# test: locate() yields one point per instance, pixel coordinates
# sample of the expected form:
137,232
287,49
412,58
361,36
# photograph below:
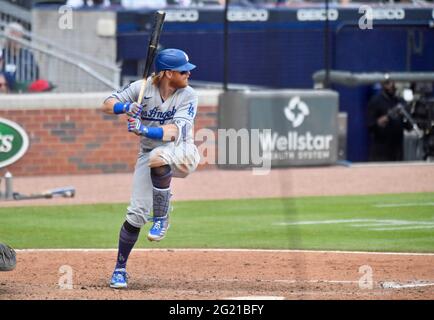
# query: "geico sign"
388,14
316,14
248,15
182,15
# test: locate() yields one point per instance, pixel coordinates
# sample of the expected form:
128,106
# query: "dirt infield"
210,274
206,274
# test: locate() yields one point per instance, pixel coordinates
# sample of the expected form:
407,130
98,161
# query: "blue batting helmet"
173,59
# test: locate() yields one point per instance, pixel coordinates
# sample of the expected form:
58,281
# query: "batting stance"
164,121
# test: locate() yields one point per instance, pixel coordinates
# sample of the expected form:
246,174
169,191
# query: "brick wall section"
82,141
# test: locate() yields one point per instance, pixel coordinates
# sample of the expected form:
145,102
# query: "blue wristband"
153,133
120,107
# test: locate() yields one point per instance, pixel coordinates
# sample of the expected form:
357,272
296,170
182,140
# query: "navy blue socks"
127,238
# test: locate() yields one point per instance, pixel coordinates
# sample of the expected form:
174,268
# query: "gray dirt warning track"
234,184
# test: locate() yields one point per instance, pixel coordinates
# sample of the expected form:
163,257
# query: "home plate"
256,298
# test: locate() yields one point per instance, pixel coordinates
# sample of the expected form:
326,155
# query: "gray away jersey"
179,109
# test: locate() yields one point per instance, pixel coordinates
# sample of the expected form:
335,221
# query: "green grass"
250,223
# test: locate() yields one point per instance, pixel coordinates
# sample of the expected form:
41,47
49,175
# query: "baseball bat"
152,48
65,192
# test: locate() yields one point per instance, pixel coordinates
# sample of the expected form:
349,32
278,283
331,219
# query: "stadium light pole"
226,47
327,46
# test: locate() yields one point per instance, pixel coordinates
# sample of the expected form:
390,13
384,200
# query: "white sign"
317,14
248,15
182,15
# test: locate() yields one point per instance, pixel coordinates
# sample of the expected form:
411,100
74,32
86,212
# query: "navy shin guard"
161,178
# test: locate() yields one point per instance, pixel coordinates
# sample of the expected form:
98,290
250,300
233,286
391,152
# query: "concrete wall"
70,135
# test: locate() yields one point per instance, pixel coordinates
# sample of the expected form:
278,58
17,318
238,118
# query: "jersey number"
191,110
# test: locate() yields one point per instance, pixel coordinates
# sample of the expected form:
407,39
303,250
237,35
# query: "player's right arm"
108,105
123,101
114,106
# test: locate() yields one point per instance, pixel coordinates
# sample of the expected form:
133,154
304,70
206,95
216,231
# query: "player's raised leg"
161,177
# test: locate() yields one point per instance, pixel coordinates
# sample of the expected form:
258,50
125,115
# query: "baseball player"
164,121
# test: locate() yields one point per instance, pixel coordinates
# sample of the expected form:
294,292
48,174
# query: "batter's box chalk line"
255,298
409,285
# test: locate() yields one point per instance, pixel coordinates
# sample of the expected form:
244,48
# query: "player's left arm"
168,132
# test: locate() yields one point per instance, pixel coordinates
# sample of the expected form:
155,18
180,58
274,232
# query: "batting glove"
136,126
134,110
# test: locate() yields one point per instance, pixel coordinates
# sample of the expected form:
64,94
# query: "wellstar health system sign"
14,142
304,129
295,127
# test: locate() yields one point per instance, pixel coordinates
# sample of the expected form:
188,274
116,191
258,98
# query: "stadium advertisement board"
294,127
14,142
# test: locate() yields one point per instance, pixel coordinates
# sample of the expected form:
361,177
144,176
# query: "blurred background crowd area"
34,46
136,4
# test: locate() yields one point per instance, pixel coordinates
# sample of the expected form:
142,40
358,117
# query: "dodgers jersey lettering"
179,109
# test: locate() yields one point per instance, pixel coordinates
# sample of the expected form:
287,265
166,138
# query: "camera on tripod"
420,100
